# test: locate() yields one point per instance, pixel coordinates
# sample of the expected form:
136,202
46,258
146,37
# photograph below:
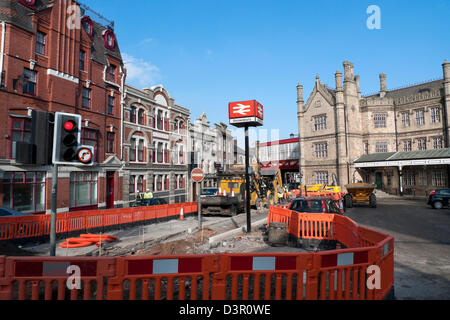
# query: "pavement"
153,233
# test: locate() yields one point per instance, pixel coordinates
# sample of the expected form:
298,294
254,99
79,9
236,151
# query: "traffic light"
42,136
38,150
67,138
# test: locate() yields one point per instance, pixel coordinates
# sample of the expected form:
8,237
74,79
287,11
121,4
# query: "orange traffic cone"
182,214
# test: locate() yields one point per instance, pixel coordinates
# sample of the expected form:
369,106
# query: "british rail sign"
246,113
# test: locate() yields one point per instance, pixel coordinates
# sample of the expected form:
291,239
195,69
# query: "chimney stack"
446,69
349,80
383,87
300,101
358,88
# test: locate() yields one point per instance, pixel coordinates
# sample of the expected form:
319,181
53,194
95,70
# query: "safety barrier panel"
326,275
367,247
39,225
163,278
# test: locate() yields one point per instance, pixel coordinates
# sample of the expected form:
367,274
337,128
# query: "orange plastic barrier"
30,278
377,247
36,226
326,275
86,240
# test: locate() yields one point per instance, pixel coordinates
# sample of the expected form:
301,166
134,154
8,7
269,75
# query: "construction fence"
39,225
327,275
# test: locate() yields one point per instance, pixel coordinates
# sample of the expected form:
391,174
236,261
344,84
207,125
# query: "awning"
404,159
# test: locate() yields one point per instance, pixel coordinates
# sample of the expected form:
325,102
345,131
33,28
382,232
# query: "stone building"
339,127
47,65
210,148
155,144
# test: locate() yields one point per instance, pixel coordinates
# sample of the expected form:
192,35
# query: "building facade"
155,144
211,148
45,64
283,154
337,126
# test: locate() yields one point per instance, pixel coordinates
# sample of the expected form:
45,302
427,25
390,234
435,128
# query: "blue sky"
209,53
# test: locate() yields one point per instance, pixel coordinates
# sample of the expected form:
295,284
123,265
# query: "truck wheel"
373,201
348,201
234,211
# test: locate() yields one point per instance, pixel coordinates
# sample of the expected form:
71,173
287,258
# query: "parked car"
4,212
315,205
148,202
439,198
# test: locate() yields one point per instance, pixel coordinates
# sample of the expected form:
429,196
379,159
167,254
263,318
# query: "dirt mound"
186,246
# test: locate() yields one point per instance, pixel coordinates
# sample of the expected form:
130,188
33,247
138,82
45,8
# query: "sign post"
197,176
246,114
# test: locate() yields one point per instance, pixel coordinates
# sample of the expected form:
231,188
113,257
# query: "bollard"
181,214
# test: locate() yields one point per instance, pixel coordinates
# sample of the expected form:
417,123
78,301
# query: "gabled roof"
328,94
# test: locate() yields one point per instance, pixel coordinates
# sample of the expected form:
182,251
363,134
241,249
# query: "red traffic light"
69,125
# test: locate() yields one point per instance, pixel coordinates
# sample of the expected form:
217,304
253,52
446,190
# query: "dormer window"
28,3
109,39
88,26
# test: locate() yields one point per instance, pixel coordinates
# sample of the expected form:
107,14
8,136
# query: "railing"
327,275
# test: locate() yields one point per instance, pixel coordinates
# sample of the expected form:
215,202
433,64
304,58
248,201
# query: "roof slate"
375,157
411,155
412,90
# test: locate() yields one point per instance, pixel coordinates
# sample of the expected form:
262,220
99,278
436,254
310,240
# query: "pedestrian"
148,196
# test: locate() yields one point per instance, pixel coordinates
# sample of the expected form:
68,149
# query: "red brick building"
51,60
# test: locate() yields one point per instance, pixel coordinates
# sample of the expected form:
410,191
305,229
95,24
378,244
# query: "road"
422,242
422,245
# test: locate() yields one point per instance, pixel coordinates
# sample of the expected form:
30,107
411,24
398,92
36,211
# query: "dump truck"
264,187
360,193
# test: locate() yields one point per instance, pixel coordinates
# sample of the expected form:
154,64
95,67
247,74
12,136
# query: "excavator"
265,187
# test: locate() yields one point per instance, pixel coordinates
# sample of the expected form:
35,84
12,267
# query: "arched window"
28,3
166,182
110,39
88,26
160,156
141,117
133,114
140,184
141,151
159,120
159,186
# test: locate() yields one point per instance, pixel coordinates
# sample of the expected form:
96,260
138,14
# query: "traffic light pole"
247,181
54,210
